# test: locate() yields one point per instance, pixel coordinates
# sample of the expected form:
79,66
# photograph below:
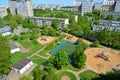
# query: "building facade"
115,14
98,6
117,7
78,2
48,21
14,48
5,31
22,7
105,24
108,2
47,6
22,65
3,11
86,7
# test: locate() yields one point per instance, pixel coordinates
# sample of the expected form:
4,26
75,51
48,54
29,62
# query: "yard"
88,75
38,60
18,56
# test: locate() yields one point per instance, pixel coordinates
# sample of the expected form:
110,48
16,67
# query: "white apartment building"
108,2
3,11
22,7
48,21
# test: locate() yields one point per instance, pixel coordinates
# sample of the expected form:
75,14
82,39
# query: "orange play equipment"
104,56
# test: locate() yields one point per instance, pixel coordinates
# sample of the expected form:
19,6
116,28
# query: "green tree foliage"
109,76
61,59
95,44
38,74
102,16
118,18
15,21
55,24
79,58
52,32
25,78
5,63
110,17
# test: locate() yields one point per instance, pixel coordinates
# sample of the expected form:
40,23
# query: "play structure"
108,57
104,56
45,39
69,37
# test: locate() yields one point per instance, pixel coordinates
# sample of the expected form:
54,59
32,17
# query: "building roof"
22,63
5,29
13,46
3,78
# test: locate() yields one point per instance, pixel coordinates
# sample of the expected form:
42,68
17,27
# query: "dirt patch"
45,39
71,38
65,78
99,64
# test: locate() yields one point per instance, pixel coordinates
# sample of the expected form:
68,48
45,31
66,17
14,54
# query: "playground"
45,39
71,38
102,59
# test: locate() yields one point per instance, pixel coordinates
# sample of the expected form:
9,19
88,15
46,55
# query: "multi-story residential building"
115,14
3,11
47,6
71,8
105,24
48,21
117,7
108,2
98,6
86,7
78,2
22,7
12,6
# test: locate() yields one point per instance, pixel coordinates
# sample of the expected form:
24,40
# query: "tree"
95,44
52,32
38,74
79,58
103,16
118,18
61,59
5,63
110,17
55,24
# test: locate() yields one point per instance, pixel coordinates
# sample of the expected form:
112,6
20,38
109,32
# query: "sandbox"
45,39
65,78
99,64
71,38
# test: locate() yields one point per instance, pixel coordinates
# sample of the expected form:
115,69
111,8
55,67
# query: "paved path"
74,72
37,52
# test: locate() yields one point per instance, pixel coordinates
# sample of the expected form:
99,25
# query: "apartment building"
22,7
105,24
47,6
48,21
86,7
117,6
98,6
3,11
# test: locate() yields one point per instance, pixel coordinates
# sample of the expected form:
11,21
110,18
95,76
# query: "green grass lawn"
65,73
25,43
18,56
49,47
38,60
88,75
69,66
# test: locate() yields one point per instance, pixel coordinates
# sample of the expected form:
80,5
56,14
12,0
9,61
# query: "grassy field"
88,75
18,56
38,60
65,73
